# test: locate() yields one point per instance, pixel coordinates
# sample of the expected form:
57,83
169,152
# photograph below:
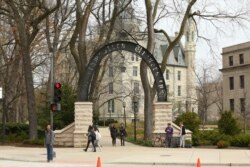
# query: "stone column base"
83,118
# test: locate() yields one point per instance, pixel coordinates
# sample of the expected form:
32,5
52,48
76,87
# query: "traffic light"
56,105
57,92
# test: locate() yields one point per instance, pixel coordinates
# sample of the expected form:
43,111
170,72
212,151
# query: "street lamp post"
135,101
123,69
124,106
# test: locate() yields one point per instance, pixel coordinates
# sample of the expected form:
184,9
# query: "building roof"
234,48
176,57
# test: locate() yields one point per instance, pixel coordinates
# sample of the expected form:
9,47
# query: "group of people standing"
115,133
169,135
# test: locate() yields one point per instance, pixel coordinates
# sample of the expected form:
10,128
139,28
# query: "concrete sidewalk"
129,155
133,155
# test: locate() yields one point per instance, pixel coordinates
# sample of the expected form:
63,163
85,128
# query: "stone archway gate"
127,46
162,111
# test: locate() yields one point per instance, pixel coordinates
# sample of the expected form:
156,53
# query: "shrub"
209,137
222,144
241,140
34,142
228,125
18,132
140,142
190,120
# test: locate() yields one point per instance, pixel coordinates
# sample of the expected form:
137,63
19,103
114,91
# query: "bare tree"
25,17
209,92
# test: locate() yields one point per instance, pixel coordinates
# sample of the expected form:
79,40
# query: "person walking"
113,133
169,134
123,134
182,135
49,141
91,138
98,138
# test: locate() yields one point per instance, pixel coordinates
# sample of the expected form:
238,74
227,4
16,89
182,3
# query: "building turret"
190,51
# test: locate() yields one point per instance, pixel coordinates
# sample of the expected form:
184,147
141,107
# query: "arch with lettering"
130,47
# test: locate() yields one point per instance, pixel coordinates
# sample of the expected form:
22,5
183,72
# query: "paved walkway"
129,155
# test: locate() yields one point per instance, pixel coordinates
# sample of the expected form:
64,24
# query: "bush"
209,137
190,120
222,144
19,132
15,128
241,140
34,142
140,142
228,125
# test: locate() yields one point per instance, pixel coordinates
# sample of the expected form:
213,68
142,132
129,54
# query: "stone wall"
64,137
75,133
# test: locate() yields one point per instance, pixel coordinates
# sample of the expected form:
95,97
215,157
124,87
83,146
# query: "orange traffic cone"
98,162
198,164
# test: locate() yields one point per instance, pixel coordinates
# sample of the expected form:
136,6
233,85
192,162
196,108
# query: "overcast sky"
230,33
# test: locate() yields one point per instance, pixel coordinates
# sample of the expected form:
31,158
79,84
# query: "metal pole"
134,121
124,114
51,88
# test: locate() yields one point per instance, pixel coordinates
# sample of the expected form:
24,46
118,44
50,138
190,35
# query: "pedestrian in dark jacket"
123,134
49,141
91,138
113,133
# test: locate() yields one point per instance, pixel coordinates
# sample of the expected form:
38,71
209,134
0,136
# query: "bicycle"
159,141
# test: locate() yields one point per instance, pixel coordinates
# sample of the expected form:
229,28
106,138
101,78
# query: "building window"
242,105
187,36
111,89
111,106
136,88
135,71
132,57
241,56
231,103
231,61
111,71
192,35
179,90
242,81
167,74
231,83
179,75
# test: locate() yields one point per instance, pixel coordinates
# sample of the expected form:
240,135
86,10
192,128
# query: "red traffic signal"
57,92
57,85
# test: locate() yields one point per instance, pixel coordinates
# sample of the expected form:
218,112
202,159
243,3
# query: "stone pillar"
83,118
162,114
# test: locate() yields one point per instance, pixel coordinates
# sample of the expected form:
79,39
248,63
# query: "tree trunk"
148,99
30,93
